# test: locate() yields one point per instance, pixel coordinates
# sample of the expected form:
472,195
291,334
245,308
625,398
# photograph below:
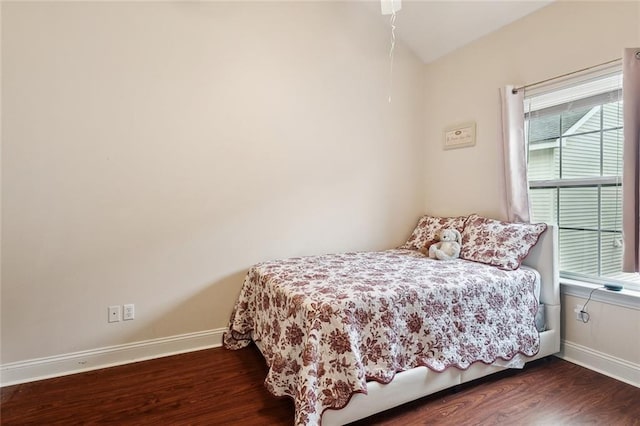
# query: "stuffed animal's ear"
458,236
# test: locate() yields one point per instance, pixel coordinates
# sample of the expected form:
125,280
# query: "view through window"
575,143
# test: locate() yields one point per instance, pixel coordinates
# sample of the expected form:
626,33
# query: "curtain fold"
515,155
631,160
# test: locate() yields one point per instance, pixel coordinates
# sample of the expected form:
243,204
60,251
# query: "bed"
351,334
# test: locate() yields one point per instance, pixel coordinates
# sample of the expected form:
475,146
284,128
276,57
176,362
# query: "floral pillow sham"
498,243
426,231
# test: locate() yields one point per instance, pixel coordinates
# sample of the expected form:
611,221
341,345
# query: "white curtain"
631,161
515,155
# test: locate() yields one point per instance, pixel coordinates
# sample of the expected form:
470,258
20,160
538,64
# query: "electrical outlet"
129,311
581,314
115,314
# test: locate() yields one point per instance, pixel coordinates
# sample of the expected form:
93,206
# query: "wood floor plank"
222,387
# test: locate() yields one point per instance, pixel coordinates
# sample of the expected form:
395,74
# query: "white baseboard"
618,368
77,362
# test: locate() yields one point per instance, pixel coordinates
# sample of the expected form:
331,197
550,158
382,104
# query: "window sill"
625,298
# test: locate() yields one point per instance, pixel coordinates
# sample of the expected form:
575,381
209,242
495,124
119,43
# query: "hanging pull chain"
392,22
390,7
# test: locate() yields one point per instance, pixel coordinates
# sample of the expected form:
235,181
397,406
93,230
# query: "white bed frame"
418,382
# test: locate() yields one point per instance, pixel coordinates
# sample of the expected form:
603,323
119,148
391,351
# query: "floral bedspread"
327,324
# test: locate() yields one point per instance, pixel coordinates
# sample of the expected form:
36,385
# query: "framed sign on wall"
460,136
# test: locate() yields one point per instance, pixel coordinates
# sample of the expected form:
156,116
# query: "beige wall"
560,38
153,151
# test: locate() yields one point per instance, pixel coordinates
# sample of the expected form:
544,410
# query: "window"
574,137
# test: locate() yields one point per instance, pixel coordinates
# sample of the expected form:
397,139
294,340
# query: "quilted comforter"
328,324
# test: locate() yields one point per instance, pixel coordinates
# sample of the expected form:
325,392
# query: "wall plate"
460,136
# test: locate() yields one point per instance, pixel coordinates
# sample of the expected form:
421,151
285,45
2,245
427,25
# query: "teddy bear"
449,245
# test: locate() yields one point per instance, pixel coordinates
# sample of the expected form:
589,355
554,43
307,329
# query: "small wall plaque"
460,136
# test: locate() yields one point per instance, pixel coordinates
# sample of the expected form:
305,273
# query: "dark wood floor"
217,386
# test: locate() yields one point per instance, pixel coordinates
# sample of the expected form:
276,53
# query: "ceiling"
434,28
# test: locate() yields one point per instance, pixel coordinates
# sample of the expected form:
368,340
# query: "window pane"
578,208
612,113
578,251
581,156
611,205
581,120
544,128
612,152
543,164
611,253
543,202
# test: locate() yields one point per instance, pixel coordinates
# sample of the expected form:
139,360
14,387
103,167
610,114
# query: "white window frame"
557,95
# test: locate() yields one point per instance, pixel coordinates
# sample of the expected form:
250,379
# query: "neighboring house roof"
547,128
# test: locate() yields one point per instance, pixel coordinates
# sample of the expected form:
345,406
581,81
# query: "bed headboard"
544,258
